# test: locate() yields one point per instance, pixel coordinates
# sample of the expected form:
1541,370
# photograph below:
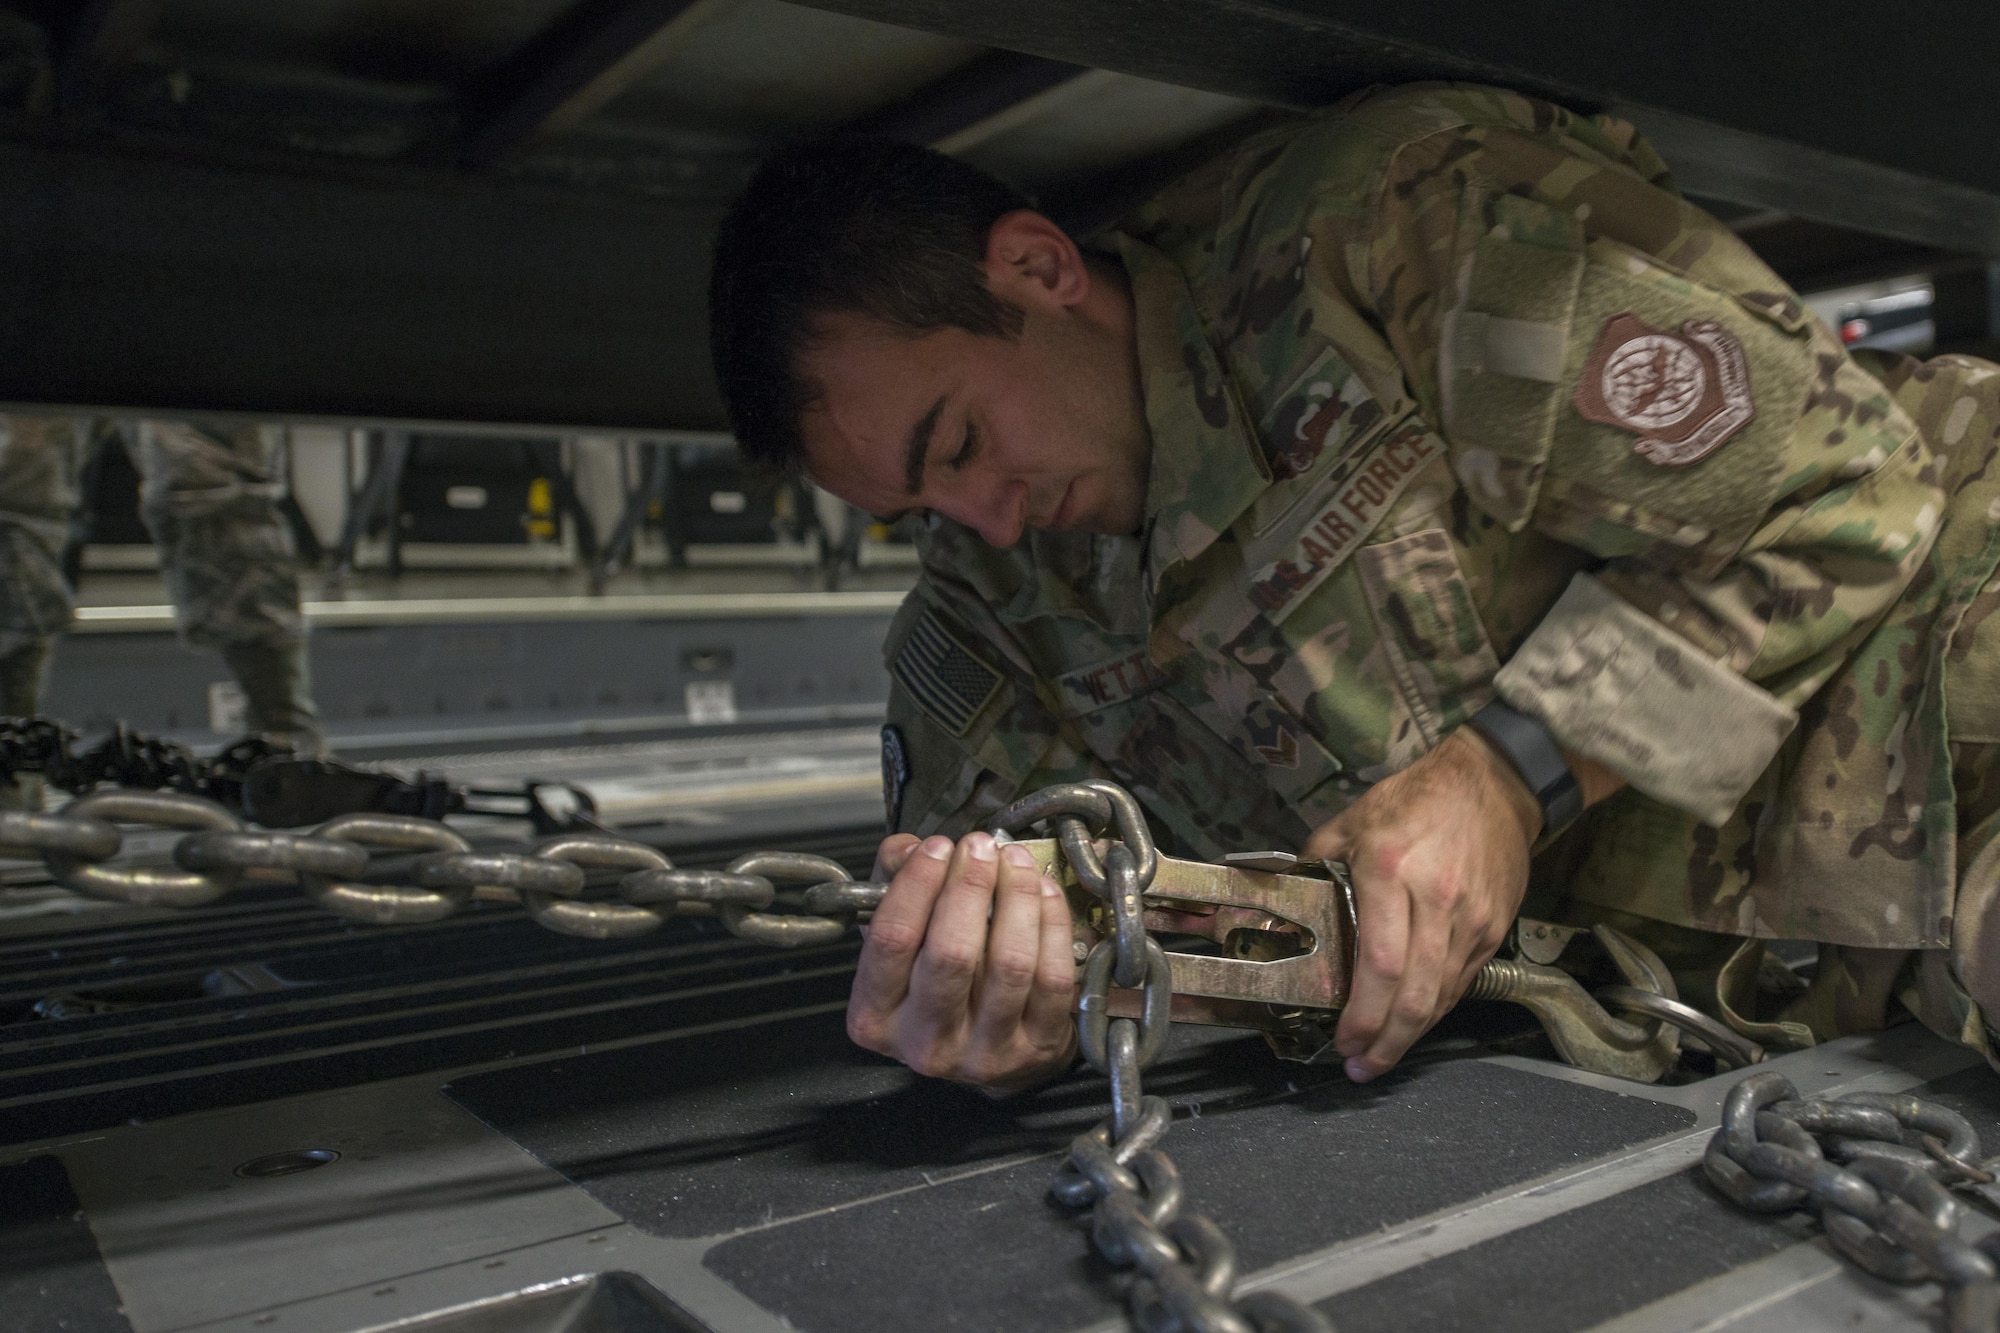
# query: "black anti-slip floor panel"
1579,1269
1575,1270
737,1128
939,1214
52,1279
1975,1094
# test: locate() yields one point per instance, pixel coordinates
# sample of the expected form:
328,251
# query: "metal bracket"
1287,939
1286,931
1287,935
1542,941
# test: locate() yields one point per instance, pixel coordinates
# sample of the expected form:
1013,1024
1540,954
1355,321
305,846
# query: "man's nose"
996,513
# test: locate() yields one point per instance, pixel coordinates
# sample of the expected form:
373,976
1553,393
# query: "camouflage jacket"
1450,394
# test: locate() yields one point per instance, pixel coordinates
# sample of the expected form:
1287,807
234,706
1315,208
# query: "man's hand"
967,972
1439,856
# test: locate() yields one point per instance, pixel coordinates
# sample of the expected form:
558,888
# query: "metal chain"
126,758
1877,1166
1185,1267
266,781
340,867
1885,1208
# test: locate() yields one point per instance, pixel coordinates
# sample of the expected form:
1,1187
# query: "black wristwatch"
1533,752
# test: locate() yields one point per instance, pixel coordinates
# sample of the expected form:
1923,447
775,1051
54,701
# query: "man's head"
908,332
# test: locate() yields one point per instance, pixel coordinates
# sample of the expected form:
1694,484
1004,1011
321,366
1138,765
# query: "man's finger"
895,936
1013,950
941,981
1411,1013
1330,841
1381,942
895,850
1054,994
1481,952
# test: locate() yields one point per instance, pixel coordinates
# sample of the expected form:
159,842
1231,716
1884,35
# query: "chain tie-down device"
1284,926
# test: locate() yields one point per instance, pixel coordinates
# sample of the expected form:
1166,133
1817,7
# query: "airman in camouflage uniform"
208,495
1451,394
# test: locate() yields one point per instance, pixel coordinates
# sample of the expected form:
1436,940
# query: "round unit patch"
1683,393
1653,381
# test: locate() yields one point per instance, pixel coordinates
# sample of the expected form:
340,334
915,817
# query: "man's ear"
1032,263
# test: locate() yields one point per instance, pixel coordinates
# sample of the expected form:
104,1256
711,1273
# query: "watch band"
1533,752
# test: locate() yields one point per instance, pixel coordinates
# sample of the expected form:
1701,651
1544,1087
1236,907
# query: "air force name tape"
1358,493
1683,392
947,681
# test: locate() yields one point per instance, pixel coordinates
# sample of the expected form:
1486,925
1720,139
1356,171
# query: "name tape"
1090,688
1363,490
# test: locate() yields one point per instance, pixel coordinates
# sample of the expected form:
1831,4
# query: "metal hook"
1584,1034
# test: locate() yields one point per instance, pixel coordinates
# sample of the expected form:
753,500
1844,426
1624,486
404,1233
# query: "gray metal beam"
976,92
1724,163
590,56
1892,136
131,281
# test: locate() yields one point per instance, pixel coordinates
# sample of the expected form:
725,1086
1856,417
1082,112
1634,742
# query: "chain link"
146,886
1184,1268
790,930
28,836
1876,1166
350,866
567,913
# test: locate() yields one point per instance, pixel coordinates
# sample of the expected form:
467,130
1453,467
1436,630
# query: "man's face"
1043,431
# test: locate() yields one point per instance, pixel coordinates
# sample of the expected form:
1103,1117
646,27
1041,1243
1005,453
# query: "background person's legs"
209,496
40,458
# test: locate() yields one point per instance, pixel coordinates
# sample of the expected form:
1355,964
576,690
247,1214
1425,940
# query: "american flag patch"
942,675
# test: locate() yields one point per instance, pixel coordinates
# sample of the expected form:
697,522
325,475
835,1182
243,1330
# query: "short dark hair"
865,226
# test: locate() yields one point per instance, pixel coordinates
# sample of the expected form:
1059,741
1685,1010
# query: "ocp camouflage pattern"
1764,641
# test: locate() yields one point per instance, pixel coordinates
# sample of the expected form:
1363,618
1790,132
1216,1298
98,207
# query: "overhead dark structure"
988,86
502,213
561,79
168,285
97,42
1863,120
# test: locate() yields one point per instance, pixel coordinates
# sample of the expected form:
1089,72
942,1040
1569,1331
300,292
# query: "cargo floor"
254,1118
758,1174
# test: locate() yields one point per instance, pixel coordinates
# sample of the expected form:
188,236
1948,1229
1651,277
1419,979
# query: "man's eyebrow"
919,448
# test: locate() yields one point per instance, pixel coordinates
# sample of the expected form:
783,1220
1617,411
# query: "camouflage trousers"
1955,989
1955,992
209,496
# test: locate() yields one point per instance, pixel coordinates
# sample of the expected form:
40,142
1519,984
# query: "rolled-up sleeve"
1514,261
1616,685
